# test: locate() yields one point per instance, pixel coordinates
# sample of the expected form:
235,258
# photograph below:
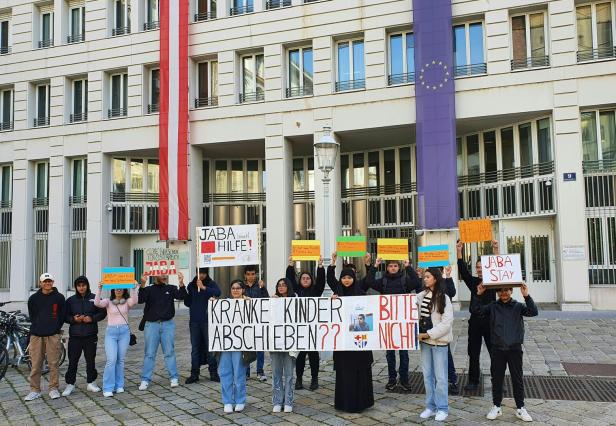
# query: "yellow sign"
472,231
392,248
305,250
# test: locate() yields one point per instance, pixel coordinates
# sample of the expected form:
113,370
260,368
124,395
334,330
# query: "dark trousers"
404,365
300,364
500,361
451,373
478,330
199,355
77,345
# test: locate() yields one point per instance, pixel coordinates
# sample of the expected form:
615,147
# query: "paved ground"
553,338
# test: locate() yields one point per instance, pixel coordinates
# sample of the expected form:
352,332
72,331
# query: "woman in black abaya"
353,368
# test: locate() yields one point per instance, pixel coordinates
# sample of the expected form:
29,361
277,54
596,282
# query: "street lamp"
326,151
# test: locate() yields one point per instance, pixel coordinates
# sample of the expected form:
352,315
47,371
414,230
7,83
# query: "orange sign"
392,248
472,231
305,250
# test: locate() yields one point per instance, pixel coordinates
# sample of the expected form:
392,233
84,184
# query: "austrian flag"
173,124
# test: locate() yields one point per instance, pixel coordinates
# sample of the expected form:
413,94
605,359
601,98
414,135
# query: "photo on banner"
392,248
305,250
351,246
433,256
229,245
118,277
503,270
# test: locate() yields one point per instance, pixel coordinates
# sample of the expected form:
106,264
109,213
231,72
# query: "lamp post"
326,151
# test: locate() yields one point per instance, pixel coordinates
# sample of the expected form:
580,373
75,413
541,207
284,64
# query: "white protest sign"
164,261
228,245
501,269
314,323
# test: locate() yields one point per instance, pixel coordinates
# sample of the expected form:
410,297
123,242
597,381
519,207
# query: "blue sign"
569,177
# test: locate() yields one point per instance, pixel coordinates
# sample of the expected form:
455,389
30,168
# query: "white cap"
46,276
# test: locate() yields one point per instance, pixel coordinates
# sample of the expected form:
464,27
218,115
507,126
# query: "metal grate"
417,385
596,389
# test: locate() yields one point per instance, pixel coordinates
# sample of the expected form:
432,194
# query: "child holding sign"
507,334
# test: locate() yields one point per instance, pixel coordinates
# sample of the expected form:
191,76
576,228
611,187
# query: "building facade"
535,105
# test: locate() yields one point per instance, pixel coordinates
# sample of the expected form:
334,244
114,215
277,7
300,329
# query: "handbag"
425,324
249,357
133,338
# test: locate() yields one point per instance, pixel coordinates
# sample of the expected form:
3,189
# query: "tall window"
42,180
206,9
529,35
595,31
6,109
6,186
273,4
77,25
41,117
154,94
599,136
468,52
350,67
79,184
242,6
46,30
207,84
544,140
121,17
401,58
151,18
300,72
253,83
119,175
118,95
4,37
80,101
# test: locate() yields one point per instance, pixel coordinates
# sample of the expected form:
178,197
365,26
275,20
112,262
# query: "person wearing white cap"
46,309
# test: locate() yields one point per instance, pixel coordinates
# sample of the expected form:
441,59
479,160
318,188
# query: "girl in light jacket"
436,313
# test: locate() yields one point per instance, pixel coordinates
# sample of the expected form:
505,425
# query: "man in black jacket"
83,318
395,281
159,311
478,326
255,289
507,332
199,292
46,311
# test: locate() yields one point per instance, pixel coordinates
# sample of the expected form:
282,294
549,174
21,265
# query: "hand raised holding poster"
472,231
228,245
501,270
305,250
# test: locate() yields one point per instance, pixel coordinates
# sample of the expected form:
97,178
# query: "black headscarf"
353,289
290,292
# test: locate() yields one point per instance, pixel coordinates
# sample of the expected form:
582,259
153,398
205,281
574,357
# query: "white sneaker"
522,414
494,413
239,407
144,385
426,414
54,394
120,390
228,408
107,394
288,408
32,396
440,416
277,409
174,383
68,390
92,387
262,377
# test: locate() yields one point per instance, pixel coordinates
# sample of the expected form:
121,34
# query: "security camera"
109,208
419,232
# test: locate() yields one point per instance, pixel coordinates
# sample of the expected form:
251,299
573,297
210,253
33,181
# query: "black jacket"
77,305
315,290
472,282
159,301
451,288
506,322
254,291
399,283
197,300
46,312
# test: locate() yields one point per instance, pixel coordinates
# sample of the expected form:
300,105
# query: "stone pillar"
98,216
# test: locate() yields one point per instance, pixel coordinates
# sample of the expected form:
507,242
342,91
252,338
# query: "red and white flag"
173,126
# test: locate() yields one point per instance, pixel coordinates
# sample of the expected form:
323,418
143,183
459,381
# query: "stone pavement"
552,338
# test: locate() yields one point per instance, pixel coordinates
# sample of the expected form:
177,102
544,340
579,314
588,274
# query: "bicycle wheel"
4,361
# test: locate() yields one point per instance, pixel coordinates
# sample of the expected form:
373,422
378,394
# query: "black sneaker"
192,379
405,385
314,384
214,377
471,387
391,385
299,384
453,388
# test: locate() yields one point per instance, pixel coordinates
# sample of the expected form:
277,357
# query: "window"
529,35
253,84
121,17
42,180
401,58
221,176
4,37
489,156
507,153
595,31
46,30
6,186
154,94
79,184
472,155
300,72
241,6
374,175
207,84
350,66
152,12
119,175
206,9
252,176
602,124
274,4
118,95
6,109
76,25
468,51
358,170
299,176
79,109
41,117
544,140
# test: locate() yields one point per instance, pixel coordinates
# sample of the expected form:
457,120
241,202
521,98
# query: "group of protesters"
496,319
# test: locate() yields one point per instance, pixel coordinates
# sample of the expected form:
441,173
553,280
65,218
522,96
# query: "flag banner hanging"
173,121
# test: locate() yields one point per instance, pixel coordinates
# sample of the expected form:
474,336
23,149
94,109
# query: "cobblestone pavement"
551,339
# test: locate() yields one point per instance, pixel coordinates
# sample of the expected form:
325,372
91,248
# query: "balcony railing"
205,16
6,125
596,54
120,31
5,50
342,86
77,38
45,43
206,102
78,117
388,206
79,214
275,4
292,92
234,197
470,69
241,10
252,97
6,218
134,212
153,108
154,25
599,165
408,78
533,62
41,121
117,112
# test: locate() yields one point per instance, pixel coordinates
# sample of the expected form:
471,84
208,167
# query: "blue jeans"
283,381
199,353
232,372
451,368
159,333
434,365
260,364
117,338
404,365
